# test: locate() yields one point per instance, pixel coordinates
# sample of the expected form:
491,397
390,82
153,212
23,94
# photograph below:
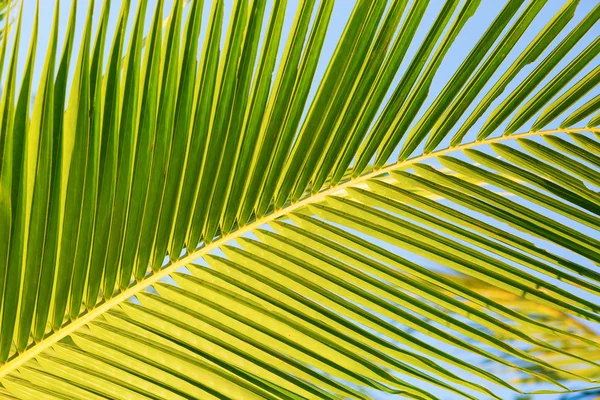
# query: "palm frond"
203,217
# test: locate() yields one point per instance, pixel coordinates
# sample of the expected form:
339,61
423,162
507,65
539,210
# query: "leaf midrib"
89,315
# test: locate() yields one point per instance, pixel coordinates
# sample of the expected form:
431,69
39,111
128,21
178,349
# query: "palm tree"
199,224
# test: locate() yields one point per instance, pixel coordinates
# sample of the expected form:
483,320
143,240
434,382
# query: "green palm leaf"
204,217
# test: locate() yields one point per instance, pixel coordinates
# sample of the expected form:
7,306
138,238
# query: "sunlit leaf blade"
476,83
295,208
533,50
6,166
144,149
21,192
382,84
162,145
93,165
584,111
418,95
75,142
207,74
543,69
180,155
307,70
108,167
56,213
442,101
127,141
569,98
41,137
566,164
265,152
554,86
4,35
595,121
369,70
533,178
386,126
235,133
254,113
334,89
221,136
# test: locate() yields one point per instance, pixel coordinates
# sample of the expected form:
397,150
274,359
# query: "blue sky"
465,41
